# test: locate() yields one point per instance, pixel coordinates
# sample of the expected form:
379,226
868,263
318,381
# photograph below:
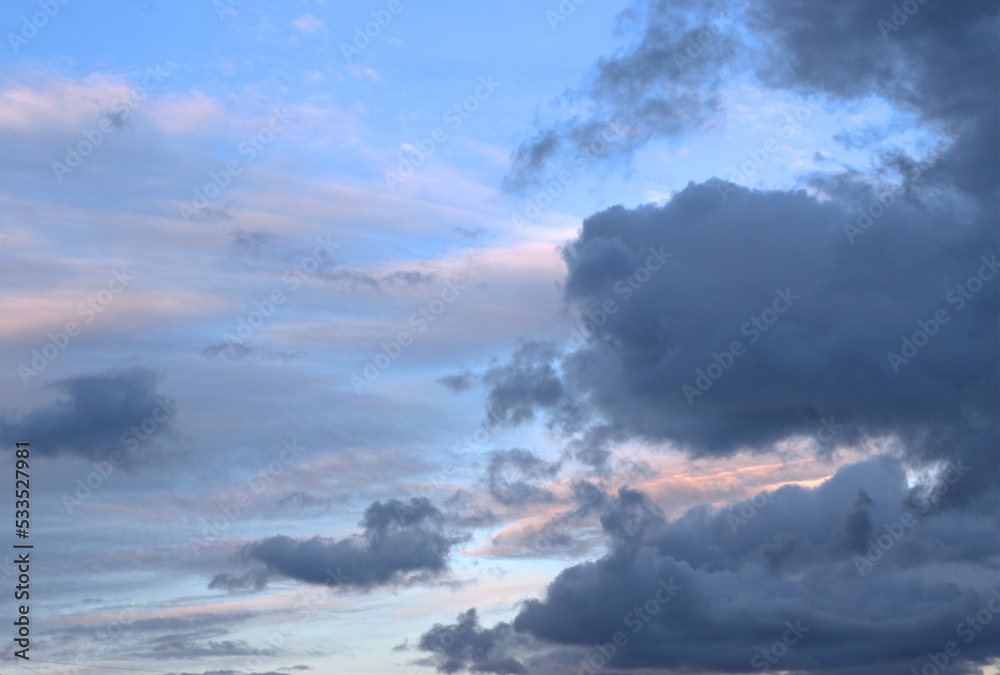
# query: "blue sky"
296,281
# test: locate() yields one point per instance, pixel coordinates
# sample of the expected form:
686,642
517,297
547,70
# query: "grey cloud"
305,500
729,603
736,253
244,672
458,382
402,542
254,580
252,243
529,381
510,477
465,645
96,415
651,89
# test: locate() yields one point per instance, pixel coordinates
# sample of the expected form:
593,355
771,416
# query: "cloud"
465,645
767,321
254,580
309,23
649,90
458,382
847,562
402,543
668,82
97,415
509,475
527,382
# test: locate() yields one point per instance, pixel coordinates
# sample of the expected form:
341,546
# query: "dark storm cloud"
465,645
712,589
97,414
511,474
769,322
402,542
844,315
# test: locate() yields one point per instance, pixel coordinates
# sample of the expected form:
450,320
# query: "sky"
645,336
